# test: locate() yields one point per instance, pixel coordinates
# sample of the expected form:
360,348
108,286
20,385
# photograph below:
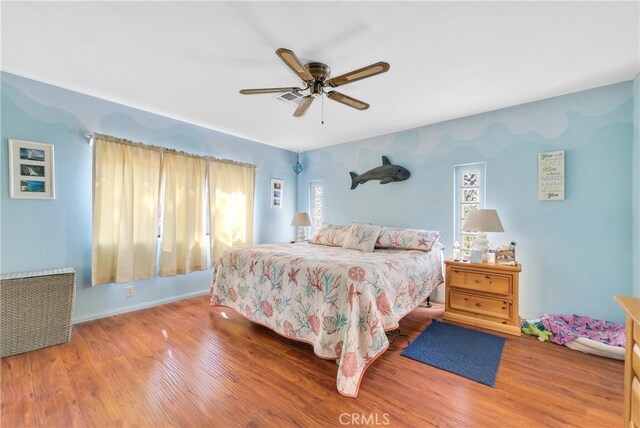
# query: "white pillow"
362,237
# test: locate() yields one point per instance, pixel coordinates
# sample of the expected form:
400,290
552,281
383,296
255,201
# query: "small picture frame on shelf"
31,170
506,254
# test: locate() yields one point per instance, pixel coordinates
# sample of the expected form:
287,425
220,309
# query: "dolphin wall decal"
385,173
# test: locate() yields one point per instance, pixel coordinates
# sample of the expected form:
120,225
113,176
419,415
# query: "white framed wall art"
31,170
277,189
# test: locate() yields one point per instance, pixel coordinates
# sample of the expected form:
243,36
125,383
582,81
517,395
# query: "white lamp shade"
483,220
301,219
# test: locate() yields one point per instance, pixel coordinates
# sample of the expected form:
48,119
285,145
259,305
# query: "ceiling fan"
315,76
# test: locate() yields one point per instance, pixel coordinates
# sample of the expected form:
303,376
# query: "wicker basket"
36,309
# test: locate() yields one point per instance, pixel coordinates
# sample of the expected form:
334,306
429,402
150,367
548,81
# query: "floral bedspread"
341,301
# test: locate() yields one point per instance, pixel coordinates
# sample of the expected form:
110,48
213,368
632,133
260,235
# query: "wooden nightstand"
483,295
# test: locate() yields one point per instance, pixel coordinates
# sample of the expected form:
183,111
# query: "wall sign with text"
551,176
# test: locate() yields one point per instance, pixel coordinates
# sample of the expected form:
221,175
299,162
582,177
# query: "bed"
340,300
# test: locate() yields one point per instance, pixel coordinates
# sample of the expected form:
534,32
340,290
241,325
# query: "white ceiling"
188,60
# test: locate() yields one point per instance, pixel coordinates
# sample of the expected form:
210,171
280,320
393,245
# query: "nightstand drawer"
636,359
485,282
487,306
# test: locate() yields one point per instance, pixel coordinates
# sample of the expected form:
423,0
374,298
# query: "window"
469,188
125,211
140,191
232,187
184,244
315,203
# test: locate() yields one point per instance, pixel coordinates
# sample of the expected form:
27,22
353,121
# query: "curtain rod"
91,138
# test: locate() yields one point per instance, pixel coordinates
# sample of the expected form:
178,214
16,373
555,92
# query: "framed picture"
551,176
470,195
466,209
276,193
31,174
470,178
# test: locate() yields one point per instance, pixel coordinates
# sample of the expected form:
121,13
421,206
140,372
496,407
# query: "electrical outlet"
130,291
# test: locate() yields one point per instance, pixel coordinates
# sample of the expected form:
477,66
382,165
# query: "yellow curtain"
184,242
231,189
125,211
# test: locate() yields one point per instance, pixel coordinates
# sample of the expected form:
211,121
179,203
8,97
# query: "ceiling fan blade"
347,100
294,64
361,73
304,105
268,90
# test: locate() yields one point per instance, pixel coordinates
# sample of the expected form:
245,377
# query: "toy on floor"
535,328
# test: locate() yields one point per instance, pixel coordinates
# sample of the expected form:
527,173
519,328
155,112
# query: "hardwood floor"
188,364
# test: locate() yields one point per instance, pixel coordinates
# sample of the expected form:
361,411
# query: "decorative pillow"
362,237
407,239
332,235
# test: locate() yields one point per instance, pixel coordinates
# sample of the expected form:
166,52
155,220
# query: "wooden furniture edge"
485,266
631,307
502,328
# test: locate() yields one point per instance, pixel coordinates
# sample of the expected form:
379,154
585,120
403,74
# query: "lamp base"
302,236
482,243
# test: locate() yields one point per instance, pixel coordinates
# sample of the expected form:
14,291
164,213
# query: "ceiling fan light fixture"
316,90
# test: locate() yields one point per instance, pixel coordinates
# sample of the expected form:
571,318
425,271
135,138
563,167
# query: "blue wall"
576,254
636,186
43,234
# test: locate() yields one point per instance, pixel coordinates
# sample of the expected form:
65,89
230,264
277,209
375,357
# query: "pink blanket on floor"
568,327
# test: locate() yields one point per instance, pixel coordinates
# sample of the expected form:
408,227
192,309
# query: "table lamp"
301,220
481,221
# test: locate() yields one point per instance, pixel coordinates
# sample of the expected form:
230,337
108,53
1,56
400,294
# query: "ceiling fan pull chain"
322,122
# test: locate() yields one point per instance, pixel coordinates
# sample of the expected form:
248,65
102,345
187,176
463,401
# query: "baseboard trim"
137,307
